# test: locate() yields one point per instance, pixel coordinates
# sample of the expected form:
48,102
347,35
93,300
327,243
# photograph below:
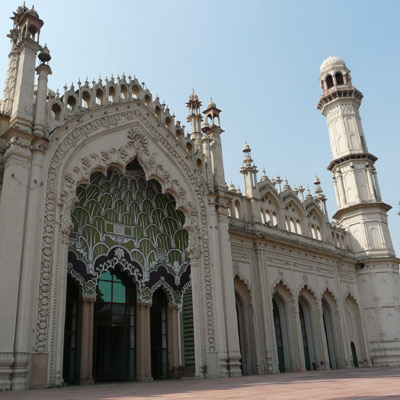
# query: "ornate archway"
94,141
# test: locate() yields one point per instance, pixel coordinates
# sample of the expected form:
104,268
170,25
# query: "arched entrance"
96,141
285,328
306,335
245,322
356,343
128,240
279,337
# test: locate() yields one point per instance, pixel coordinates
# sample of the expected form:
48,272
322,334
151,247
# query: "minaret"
361,211
360,207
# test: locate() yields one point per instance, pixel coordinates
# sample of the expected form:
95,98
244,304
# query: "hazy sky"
259,60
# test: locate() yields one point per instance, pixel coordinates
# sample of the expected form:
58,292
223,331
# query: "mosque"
125,256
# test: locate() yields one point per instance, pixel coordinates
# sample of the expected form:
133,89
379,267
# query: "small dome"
193,96
33,12
211,103
331,61
246,148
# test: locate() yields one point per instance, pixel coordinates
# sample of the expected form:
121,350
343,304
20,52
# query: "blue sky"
259,60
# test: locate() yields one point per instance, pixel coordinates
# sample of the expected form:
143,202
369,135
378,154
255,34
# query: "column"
341,185
378,190
143,347
86,377
370,184
173,340
336,192
300,362
324,362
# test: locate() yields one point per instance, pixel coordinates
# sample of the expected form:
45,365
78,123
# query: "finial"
308,193
286,184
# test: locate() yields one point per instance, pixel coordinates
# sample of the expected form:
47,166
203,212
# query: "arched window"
99,97
124,92
112,94
71,103
339,78
329,81
86,99
237,209
57,111
298,227
292,226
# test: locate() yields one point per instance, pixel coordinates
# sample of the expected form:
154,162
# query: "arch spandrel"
95,141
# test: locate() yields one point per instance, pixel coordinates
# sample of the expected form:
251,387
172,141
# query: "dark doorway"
158,328
354,353
71,340
279,339
115,328
305,341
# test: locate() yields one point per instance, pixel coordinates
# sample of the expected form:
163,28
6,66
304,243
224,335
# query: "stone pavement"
353,384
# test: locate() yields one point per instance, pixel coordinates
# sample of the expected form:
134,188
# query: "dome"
331,61
211,104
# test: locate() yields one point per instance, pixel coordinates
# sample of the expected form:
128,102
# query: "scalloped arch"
307,286
281,281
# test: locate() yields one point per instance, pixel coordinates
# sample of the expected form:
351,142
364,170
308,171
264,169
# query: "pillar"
300,362
173,340
86,377
324,357
143,349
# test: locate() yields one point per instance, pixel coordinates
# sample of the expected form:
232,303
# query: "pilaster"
13,209
173,340
86,372
143,349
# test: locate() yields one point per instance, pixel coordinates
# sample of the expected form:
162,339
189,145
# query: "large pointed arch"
94,141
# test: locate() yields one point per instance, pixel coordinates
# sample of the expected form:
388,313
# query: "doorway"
114,344
158,329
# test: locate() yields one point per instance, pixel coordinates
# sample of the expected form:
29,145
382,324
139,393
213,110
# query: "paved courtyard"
359,384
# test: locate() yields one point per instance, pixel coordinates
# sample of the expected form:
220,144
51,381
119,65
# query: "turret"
213,127
195,119
249,172
19,87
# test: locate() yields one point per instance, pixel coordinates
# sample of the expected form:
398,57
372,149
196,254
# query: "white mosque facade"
125,256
